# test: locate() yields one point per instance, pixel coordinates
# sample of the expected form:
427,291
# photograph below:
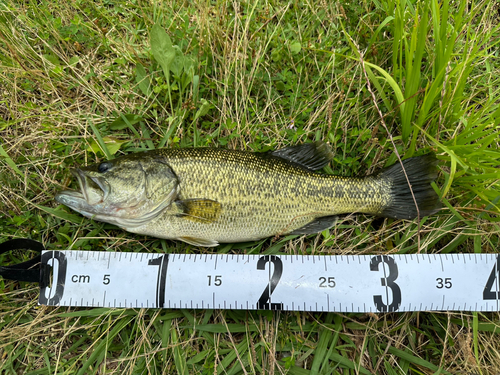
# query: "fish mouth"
93,191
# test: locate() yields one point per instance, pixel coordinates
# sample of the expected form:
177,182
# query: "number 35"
444,283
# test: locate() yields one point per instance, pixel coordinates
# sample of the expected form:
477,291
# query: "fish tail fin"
421,171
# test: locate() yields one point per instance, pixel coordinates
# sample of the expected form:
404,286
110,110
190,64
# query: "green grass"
82,82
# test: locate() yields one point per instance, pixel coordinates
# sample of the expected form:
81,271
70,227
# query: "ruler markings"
458,281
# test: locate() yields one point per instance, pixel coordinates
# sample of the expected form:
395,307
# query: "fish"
207,196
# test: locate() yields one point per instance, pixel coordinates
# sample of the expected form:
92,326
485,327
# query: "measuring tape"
337,283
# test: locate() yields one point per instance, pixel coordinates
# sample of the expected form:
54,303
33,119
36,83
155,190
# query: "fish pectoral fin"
317,225
199,210
312,156
199,241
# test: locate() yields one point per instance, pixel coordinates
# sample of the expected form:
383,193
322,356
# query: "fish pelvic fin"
311,156
199,241
421,171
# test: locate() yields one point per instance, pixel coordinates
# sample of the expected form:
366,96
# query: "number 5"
106,280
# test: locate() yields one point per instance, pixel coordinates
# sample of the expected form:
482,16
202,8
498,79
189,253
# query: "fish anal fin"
317,225
199,241
199,210
312,156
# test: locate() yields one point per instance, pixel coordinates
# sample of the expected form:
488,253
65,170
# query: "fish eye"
103,167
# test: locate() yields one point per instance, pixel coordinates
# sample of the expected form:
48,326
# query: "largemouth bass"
205,196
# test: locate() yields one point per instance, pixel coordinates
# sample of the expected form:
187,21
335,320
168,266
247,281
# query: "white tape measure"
348,283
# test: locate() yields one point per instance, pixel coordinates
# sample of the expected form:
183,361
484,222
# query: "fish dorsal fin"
312,156
199,210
